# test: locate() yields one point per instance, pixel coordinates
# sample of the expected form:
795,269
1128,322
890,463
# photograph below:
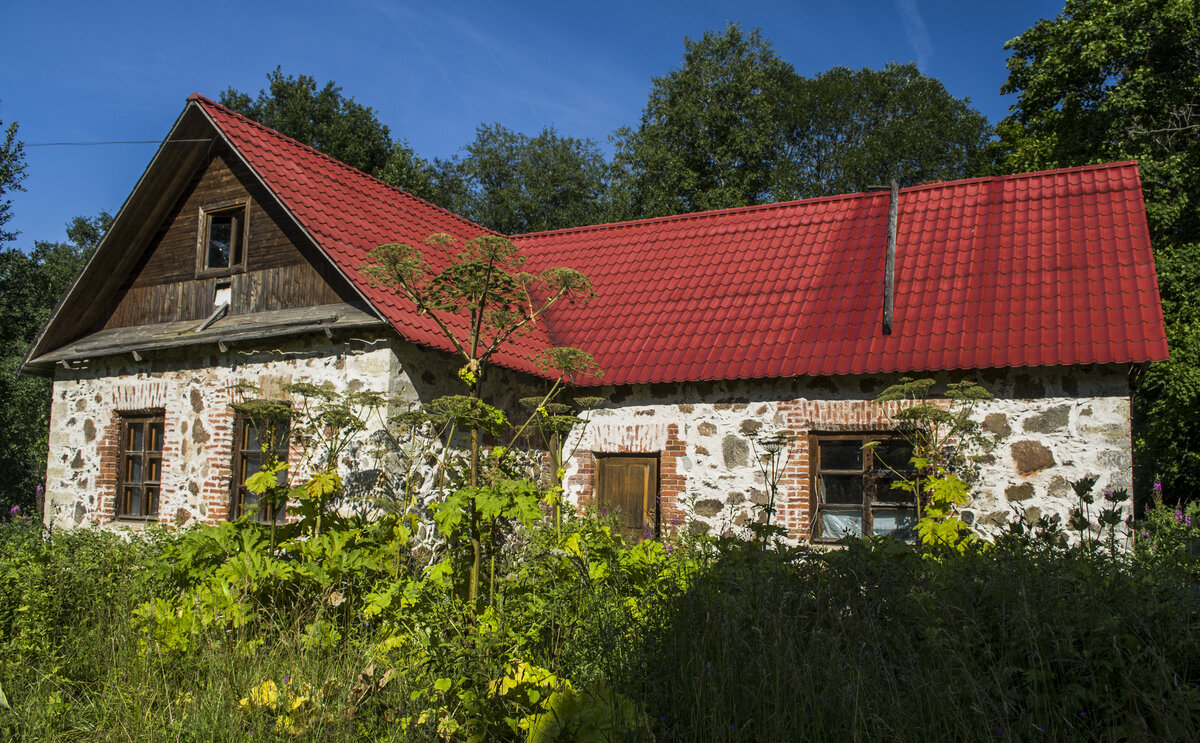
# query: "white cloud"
916,31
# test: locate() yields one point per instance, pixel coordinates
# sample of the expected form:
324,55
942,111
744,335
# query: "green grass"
714,641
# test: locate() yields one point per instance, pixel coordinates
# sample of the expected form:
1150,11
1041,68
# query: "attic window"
222,239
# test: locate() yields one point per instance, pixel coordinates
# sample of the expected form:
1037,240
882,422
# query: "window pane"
894,522
220,238
841,489
133,442
153,469
840,522
884,490
151,501
133,502
842,455
250,441
155,442
133,470
895,454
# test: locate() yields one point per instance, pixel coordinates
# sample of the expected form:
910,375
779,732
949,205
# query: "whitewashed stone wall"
196,393
1048,427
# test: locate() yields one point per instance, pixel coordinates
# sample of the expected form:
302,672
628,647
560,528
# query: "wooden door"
628,486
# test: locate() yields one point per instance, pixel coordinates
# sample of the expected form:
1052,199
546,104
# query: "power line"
115,141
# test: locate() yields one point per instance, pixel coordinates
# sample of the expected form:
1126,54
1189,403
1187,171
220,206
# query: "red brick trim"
672,483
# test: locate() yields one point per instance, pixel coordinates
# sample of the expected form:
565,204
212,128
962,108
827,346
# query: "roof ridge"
708,213
199,98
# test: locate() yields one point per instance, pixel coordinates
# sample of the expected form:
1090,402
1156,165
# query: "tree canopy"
30,287
736,125
847,130
12,172
515,183
1115,80
710,132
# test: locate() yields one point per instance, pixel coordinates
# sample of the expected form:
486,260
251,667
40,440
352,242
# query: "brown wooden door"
628,486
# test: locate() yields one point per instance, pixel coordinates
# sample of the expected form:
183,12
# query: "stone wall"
1047,427
196,392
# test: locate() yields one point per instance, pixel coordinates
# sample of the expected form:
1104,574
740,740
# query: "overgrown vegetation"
209,634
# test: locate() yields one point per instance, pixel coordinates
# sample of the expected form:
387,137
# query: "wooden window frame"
237,260
872,474
238,472
149,462
649,510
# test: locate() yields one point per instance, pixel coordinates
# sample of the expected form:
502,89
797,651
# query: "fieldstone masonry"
1045,427
195,394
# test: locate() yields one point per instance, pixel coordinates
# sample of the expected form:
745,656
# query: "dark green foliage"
31,285
735,125
1022,642
848,130
319,117
12,172
1114,80
337,125
514,183
705,640
710,132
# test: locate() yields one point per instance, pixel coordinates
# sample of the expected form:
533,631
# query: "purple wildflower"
14,511
1157,487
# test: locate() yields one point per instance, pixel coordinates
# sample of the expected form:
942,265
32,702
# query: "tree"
12,172
847,130
30,287
710,130
735,125
337,125
1113,80
514,183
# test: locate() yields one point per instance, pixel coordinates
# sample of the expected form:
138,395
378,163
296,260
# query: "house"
237,256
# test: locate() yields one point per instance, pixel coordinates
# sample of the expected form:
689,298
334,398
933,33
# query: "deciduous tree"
514,183
847,130
735,125
12,172
30,287
337,125
1113,80
710,132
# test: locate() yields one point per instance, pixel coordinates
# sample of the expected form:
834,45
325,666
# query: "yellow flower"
265,695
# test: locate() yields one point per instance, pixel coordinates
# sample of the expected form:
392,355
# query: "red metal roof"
1039,269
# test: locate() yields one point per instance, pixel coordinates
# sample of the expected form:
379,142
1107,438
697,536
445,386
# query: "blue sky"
87,71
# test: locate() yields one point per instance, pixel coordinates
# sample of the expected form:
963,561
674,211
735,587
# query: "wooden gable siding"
281,271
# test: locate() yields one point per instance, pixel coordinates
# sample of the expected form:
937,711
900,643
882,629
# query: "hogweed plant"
941,429
771,456
480,299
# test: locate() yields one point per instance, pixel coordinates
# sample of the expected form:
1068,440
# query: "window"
628,487
140,466
221,239
853,487
249,455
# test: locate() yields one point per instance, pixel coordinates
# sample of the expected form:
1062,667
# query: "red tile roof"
1039,269
347,212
